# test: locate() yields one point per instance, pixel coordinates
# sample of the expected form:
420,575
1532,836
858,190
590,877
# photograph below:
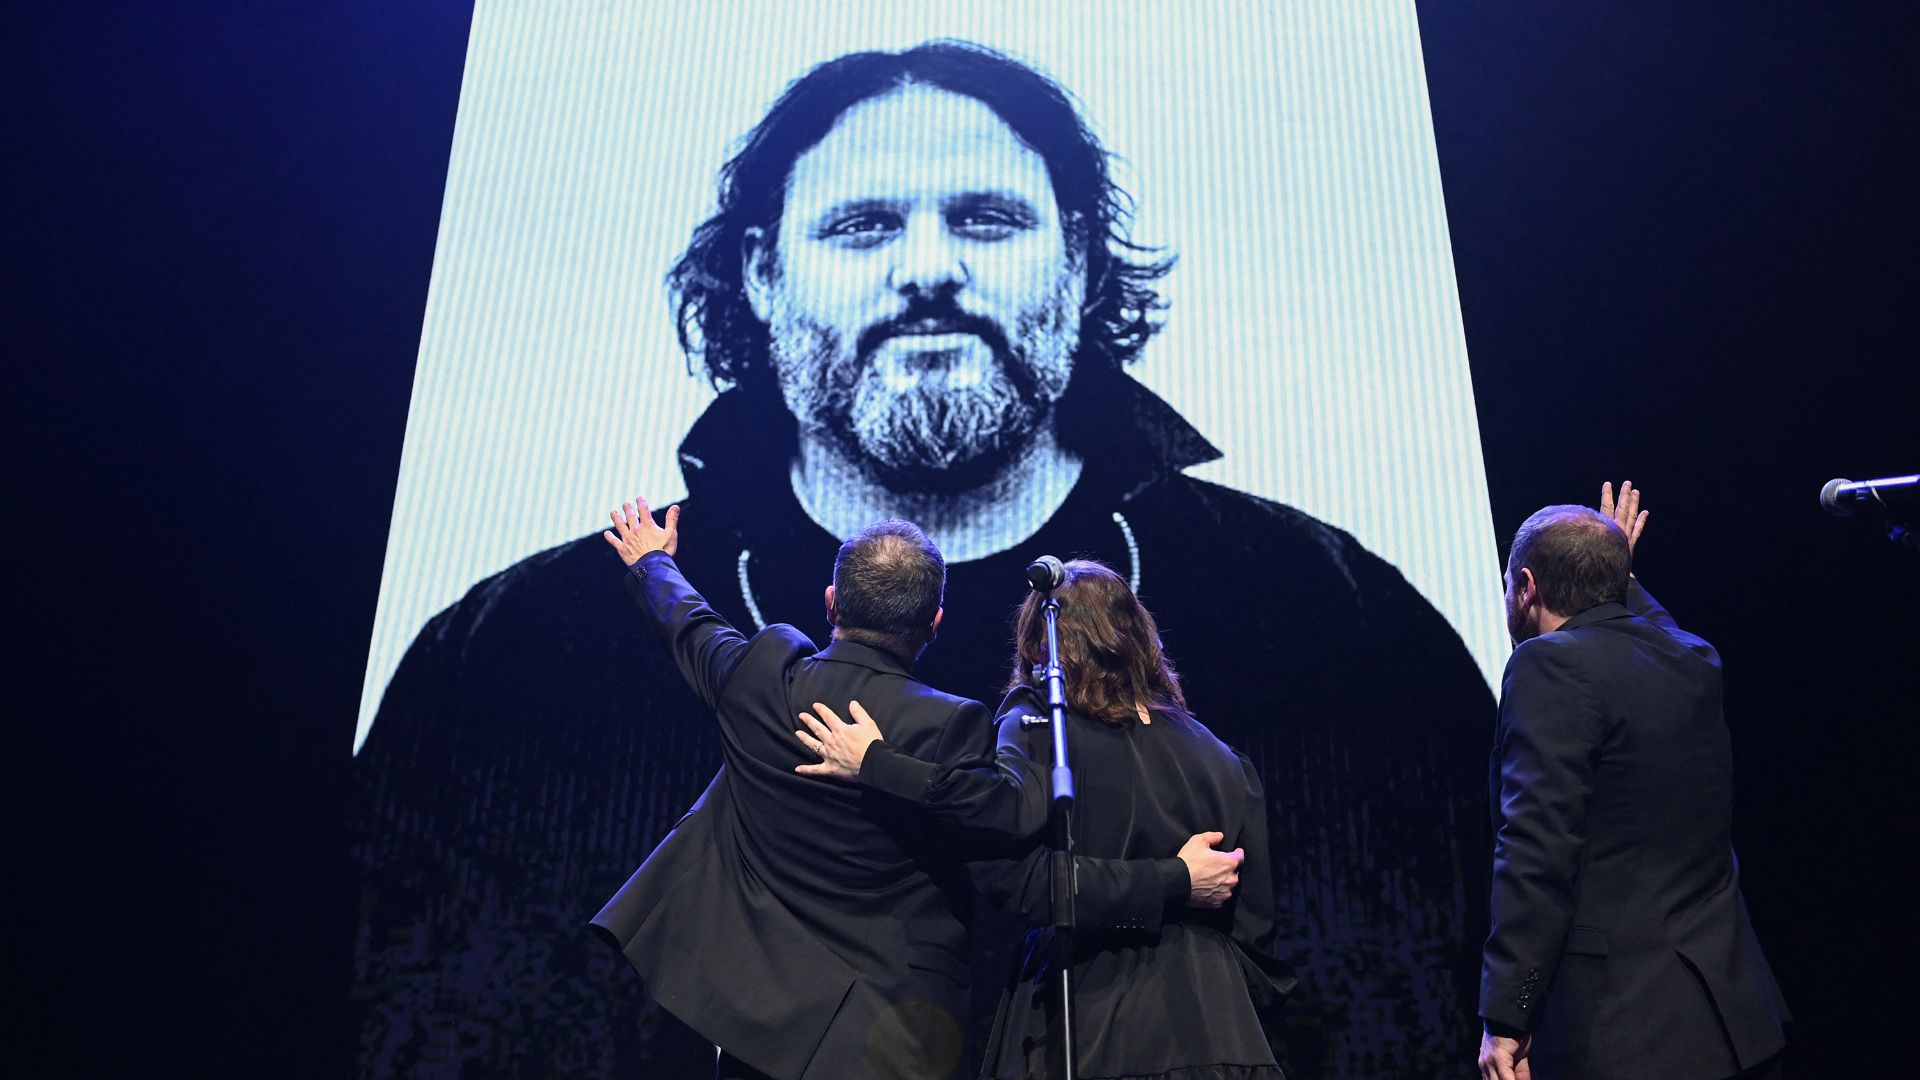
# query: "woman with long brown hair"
1171,997
1172,944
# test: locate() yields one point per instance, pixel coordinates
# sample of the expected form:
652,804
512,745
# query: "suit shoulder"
1559,655
957,707
1018,704
1559,649
786,634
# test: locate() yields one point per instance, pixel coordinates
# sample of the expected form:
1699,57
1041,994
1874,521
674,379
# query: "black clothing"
1173,997
811,929
1620,940
534,745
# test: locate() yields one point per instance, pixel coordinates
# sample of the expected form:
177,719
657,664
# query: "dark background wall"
1685,239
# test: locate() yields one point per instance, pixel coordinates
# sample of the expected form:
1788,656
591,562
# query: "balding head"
1576,558
888,581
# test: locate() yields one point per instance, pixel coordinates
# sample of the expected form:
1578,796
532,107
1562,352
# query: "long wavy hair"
717,328
1109,647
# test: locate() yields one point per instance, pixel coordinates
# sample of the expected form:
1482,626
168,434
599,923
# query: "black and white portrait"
1166,286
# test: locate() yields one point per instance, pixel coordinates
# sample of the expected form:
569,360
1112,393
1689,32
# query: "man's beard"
1519,627
950,428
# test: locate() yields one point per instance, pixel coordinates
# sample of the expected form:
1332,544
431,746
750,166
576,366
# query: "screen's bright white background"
1283,150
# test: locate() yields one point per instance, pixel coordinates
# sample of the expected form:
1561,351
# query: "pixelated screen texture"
1283,151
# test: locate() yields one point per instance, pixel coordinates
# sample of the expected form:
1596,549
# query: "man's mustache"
934,315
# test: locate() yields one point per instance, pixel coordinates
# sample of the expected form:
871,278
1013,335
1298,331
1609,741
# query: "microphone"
1843,498
1046,573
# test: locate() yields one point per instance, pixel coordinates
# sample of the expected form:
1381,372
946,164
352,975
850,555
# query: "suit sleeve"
705,645
1269,978
998,791
1114,894
1641,603
1253,921
1549,731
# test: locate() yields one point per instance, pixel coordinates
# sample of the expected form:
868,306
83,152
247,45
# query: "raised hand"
842,746
639,535
1625,513
1213,874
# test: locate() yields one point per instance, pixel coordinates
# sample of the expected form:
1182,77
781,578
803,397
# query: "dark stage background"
1685,244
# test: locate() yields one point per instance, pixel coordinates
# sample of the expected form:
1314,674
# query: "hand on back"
1213,874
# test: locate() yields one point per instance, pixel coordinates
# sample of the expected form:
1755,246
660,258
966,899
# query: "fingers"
635,520
860,716
818,730
817,769
1212,838
1238,855
611,539
1606,498
811,743
829,715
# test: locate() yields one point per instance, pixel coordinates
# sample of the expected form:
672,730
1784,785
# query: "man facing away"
1620,945
814,930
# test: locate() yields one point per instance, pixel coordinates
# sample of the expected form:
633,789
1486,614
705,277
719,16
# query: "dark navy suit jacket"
1620,939
811,929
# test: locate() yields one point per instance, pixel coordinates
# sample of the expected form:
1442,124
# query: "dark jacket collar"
1597,613
843,651
743,443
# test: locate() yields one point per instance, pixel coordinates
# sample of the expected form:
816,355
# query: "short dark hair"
714,321
888,580
1110,648
1579,557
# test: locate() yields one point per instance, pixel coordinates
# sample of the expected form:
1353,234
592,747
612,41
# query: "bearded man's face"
921,299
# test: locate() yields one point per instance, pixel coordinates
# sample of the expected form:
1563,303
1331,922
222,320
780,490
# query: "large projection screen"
1282,151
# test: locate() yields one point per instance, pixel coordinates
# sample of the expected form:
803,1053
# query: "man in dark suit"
1620,944
815,930
801,931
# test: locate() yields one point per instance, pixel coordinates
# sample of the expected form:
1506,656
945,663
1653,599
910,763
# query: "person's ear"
759,269
1529,591
833,609
933,628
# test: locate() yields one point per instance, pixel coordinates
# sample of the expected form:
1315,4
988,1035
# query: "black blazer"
1180,991
1619,938
812,929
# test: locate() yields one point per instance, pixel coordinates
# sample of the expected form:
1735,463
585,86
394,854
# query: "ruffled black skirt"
1178,1005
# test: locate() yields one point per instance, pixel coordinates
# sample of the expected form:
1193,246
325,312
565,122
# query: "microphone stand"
1063,882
